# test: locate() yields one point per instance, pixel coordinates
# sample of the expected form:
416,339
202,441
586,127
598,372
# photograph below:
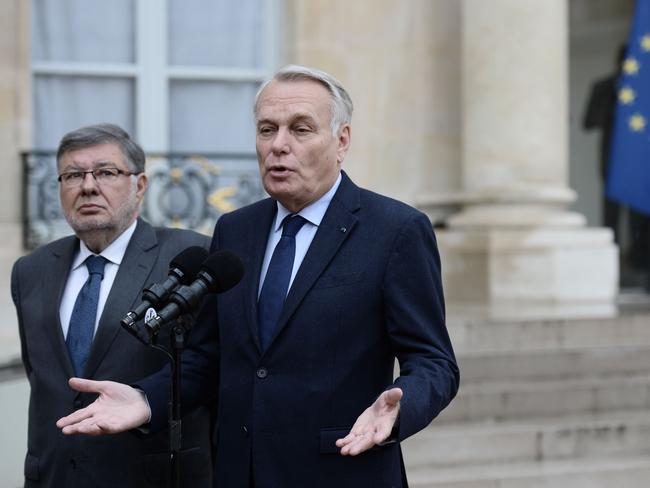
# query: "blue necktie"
276,283
82,320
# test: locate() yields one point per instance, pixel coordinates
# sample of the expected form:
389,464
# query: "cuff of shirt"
144,428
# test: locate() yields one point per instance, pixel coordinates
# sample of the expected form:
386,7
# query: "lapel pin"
343,229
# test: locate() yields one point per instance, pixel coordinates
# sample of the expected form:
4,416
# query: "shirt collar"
312,213
115,251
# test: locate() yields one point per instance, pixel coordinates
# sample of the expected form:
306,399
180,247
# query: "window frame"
152,75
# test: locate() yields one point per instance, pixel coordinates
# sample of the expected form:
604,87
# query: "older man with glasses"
70,296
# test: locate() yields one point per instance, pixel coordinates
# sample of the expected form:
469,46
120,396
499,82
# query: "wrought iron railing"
185,191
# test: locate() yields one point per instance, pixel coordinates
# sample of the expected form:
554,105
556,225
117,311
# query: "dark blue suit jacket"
367,292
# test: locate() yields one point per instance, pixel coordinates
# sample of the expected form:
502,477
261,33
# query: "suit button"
73,463
262,373
244,430
78,404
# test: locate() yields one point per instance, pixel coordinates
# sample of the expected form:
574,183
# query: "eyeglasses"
101,175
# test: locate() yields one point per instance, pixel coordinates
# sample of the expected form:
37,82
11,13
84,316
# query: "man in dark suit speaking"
70,296
339,282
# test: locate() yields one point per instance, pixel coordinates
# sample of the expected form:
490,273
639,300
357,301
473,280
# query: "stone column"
14,123
514,247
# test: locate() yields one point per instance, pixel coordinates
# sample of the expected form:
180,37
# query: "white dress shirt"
78,275
313,214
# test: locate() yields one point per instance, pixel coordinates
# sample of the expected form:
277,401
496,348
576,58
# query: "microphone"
182,271
220,272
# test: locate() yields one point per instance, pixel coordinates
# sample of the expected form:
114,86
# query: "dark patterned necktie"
82,320
276,282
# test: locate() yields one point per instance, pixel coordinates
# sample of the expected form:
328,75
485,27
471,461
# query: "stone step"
480,335
505,400
633,472
608,435
545,364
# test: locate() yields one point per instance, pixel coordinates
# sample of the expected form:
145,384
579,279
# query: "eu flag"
629,164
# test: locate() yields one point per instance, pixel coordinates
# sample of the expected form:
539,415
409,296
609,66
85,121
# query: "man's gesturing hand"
374,425
117,409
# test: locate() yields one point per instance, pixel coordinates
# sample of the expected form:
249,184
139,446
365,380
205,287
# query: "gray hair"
341,106
93,135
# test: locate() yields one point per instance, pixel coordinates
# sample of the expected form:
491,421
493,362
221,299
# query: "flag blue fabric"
628,180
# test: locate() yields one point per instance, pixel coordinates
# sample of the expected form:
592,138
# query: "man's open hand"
117,409
374,425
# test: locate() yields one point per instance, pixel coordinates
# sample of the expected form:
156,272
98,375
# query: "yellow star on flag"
637,122
631,66
626,95
645,43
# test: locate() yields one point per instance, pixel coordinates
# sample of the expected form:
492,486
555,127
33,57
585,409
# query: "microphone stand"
175,435
177,343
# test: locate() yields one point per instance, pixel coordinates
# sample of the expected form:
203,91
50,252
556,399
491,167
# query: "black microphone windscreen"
225,268
189,261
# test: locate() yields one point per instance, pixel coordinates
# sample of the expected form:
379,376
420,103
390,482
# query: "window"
179,75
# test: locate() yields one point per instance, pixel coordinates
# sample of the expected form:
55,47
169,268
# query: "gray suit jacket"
123,460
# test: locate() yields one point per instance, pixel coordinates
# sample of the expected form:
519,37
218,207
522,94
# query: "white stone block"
528,273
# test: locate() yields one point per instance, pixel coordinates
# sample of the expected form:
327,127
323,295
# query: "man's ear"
344,138
141,186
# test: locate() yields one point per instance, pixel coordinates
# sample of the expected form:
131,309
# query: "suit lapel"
135,269
53,286
256,251
334,229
